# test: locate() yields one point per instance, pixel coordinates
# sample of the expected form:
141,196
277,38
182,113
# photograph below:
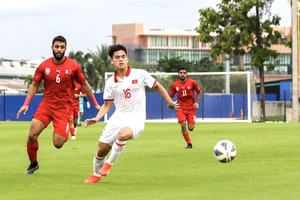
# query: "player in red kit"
185,88
79,92
58,74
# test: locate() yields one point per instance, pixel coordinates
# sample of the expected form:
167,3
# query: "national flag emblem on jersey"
68,71
135,81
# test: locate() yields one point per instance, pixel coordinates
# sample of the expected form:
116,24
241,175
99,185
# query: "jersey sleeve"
108,92
148,79
79,76
39,74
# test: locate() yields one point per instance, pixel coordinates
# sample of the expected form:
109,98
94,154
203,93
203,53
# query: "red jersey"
185,92
59,80
78,89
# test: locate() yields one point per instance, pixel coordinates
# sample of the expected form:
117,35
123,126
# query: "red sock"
72,131
187,138
32,149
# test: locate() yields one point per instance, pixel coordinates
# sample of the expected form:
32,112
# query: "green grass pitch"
156,166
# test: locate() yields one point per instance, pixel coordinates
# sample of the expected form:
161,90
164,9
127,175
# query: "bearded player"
185,88
58,75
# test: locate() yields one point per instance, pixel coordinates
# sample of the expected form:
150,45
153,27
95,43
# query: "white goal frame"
198,119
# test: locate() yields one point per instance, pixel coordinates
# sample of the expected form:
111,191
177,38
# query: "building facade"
148,46
13,74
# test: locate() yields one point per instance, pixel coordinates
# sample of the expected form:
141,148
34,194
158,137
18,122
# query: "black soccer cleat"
189,146
32,168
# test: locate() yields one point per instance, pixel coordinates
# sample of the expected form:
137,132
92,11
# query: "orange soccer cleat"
93,179
105,169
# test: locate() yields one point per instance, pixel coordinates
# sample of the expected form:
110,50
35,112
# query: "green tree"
94,65
92,75
208,83
29,80
241,27
101,63
136,64
171,65
85,62
81,58
207,65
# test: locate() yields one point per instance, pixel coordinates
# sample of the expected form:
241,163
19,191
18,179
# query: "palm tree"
92,75
28,80
94,65
100,61
79,57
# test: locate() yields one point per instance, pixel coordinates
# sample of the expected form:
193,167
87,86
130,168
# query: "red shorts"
60,117
186,115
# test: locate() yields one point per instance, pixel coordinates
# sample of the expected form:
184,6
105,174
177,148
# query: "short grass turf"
156,165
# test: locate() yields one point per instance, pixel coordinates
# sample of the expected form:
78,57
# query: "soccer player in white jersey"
126,89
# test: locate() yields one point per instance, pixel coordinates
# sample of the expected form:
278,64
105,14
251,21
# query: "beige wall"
127,33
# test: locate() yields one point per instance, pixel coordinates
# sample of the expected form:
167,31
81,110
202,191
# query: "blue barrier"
14,102
210,106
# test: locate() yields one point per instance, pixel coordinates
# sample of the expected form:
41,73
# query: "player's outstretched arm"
31,92
89,92
104,109
164,94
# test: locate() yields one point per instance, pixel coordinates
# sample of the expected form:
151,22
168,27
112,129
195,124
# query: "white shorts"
111,131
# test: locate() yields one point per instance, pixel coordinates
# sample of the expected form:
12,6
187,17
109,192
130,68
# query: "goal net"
226,97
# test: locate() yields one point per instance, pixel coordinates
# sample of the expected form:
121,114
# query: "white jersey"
128,95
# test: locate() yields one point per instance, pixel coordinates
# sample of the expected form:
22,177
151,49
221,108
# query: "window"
195,56
174,53
180,42
195,43
247,58
153,56
144,56
162,54
156,41
184,54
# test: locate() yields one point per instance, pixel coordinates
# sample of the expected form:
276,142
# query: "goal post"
226,97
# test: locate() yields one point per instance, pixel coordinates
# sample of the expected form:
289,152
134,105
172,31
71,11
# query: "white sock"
97,164
116,150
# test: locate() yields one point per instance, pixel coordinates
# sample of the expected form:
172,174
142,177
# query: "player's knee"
58,142
32,137
58,145
103,150
125,134
191,127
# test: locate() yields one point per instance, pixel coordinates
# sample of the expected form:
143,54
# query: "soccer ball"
225,151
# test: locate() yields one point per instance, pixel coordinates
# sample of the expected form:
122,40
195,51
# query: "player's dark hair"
116,47
182,68
60,39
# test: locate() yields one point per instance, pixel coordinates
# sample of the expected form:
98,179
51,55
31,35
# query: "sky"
27,27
